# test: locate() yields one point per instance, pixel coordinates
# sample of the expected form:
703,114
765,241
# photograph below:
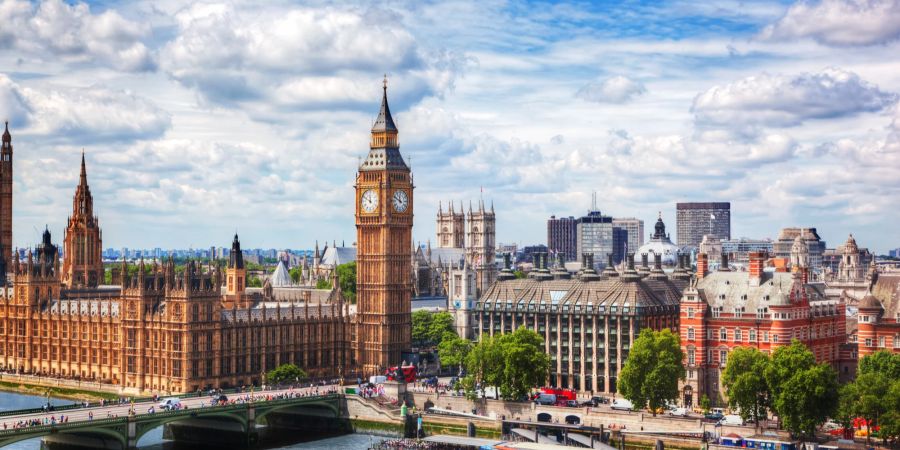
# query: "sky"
199,119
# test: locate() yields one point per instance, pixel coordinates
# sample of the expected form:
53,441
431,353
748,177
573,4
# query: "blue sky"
202,118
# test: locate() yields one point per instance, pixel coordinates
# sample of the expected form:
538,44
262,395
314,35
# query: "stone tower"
481,246
384,220
462,298
6,195
83,263
235,277
451,227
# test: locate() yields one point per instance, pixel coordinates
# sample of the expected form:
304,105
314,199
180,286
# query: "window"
723,357
868,342
717,312
723,334
690,313
738,335
691,357
765,336
881,341
690,333
752,335
774,338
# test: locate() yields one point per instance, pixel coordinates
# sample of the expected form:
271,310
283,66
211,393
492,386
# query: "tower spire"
83,170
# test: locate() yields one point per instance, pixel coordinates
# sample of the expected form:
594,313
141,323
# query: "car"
169,404
572,403
716,416
731,419
678,412
622,405
545,399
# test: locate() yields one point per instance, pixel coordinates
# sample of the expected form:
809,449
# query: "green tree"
705,403
875,394
323,283
519,274
441,324
482,366
807,399
347,279
295,274
651,372
524,363
254,281
453,350
746,384
285,373
882,361
421,324
786,362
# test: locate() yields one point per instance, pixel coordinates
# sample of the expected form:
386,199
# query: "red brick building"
726,309
879,316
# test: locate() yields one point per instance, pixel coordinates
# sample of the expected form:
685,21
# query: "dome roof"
850,246
660,244
869,302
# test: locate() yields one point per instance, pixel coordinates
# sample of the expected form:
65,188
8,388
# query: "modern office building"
594,235
562,236
634,228
694,220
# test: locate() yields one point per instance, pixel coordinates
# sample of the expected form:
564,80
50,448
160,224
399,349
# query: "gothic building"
384,220
83,266
451,226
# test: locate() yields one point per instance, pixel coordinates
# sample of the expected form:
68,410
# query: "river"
153,440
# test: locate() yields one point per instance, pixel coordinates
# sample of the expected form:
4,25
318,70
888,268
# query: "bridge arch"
331,407
148,423
87,430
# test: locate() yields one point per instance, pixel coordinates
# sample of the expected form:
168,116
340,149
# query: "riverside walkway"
125,423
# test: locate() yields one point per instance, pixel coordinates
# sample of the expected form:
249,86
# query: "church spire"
384,122
7,138
83,181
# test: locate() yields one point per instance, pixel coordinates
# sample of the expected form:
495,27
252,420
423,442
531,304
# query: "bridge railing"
38,429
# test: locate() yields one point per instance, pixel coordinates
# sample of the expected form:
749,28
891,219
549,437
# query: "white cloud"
839,22
53,29
83,115
302,58
784,101
617,89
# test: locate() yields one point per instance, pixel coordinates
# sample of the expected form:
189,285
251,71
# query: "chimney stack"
723,267
756,267
702,265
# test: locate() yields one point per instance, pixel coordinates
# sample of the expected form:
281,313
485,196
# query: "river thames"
153,440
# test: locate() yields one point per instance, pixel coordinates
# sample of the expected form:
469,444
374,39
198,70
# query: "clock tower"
384,220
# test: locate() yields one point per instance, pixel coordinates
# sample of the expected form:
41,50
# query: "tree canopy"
429,328
744,379
347,280
453,350
803,394
875,394
285,373
651,372
514,363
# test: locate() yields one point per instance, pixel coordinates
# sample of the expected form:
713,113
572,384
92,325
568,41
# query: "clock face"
369,201
400,201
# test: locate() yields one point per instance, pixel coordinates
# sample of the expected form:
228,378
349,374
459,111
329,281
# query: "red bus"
561,394
405,373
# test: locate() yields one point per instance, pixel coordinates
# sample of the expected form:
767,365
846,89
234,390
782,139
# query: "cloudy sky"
199,119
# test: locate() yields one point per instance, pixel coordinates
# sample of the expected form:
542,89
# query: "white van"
678,411
168,404
732,419
377,379
622,404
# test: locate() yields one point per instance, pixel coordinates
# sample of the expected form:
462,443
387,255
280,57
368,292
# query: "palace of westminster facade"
181,330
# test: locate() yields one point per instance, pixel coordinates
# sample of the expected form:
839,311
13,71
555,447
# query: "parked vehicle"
622,405
716,416
377,379
572,403
404,373
169,404
731,419
678,411
545,399
563,394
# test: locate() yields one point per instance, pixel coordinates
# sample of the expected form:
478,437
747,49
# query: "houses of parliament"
181,329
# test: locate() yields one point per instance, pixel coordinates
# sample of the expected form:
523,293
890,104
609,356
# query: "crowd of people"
412,444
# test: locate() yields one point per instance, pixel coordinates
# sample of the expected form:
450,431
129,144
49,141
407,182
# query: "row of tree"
874,395
429,328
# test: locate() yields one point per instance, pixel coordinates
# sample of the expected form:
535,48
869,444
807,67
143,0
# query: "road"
122,410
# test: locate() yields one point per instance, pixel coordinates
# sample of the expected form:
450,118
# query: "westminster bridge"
121,425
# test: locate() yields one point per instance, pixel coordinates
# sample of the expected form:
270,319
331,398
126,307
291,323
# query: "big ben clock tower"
384,220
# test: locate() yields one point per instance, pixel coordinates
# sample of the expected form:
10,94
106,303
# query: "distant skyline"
199,120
